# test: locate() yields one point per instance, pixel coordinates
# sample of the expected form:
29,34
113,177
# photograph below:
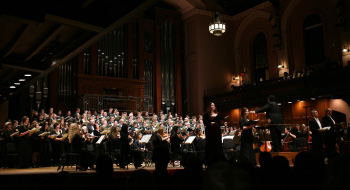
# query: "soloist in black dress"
246,153
213,144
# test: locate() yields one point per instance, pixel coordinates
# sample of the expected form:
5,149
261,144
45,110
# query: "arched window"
261,63
313,40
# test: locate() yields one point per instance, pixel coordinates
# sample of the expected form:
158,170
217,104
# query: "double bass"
266,145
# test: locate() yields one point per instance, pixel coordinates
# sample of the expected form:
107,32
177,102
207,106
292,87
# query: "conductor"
275,118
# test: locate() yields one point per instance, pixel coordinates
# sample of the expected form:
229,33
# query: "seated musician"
237,139
78,145
298,131
114,137
175,142
137,144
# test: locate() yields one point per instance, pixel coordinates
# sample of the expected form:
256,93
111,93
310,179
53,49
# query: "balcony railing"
128,104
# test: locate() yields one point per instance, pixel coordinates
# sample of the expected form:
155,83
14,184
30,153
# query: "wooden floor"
53,170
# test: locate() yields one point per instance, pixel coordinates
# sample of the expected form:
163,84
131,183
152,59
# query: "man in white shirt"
329,136
317,133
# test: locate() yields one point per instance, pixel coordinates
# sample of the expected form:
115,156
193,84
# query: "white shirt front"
318,122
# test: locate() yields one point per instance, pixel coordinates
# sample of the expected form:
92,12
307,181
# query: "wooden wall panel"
293,113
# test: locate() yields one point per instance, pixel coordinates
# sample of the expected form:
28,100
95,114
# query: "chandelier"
217,28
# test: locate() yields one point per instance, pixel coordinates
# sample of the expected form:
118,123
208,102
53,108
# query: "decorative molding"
252,10
196,11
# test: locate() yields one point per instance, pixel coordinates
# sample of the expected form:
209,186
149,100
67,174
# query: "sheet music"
189,140
145,139
100,139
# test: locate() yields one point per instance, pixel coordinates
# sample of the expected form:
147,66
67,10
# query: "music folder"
327,128
189,140
227,137
145,138
100,139
252,122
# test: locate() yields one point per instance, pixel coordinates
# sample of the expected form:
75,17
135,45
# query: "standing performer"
317,139
246,154
329,135
274,116
213,121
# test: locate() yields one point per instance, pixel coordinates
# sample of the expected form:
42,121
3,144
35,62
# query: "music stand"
145,138
265,138
189,140
100,139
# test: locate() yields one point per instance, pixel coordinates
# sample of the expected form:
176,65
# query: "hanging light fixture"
217,28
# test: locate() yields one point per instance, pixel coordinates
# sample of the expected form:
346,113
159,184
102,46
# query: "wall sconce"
235,78
280,66
345,49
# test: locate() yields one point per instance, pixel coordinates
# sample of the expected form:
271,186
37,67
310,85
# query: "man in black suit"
329,135
317,133
275,118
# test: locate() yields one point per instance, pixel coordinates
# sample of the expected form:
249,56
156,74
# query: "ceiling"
35,34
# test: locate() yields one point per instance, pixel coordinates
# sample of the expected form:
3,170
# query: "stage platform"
289,155
72,169
45,177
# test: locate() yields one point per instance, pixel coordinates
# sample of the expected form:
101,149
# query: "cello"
286,141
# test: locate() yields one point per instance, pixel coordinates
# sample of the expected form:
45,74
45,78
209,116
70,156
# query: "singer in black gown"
246,153
212,121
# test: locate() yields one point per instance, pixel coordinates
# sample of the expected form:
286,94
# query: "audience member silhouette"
338,173
160,158
191,177
104,172
225,175
140,179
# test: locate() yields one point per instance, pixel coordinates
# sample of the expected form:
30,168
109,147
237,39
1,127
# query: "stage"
289,155
13,178
71,169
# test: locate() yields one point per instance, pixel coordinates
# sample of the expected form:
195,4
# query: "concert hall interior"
156,65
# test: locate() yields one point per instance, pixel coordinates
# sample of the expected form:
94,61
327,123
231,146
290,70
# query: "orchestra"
39,138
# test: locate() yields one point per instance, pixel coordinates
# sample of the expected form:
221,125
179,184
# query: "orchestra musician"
137,144
289,138
175,143
78,144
